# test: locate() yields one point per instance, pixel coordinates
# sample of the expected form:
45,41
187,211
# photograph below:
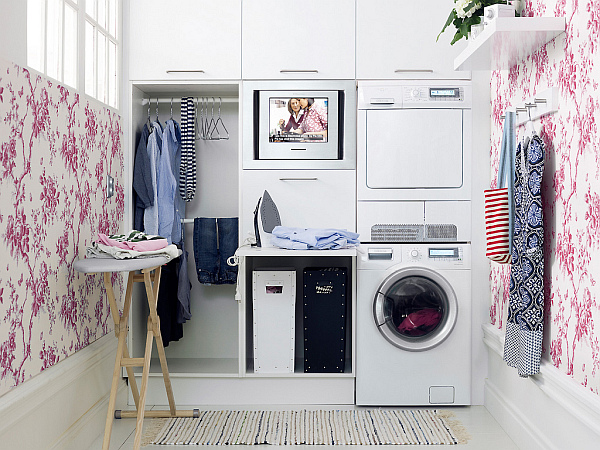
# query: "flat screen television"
298,124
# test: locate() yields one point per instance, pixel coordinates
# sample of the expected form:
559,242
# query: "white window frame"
80,76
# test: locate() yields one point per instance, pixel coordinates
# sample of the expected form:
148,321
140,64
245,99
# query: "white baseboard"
63,404
548,411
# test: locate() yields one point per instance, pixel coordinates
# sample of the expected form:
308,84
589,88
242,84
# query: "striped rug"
331,427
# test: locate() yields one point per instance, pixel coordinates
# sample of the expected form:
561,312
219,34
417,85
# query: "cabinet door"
185,39
304,198
313,39
397,39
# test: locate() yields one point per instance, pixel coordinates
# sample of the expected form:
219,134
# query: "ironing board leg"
113,391
143,388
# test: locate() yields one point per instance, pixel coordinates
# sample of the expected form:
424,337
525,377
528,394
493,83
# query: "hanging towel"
524,325
187,174
215,240
507,169
154,146
142,180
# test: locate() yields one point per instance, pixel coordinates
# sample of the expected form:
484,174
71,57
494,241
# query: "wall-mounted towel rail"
541,104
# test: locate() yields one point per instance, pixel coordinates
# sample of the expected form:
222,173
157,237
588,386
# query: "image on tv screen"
297,119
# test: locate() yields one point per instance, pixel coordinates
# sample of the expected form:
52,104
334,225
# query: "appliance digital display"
443,252
298,119
444,92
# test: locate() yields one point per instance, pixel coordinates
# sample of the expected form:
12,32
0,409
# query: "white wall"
13,31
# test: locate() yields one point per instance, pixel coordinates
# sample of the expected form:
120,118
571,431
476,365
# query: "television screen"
298,119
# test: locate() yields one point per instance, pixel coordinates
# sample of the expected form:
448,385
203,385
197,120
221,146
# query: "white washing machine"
413,324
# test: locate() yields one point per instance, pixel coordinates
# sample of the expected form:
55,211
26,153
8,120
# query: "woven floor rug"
332,427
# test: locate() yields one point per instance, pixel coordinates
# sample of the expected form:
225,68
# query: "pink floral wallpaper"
56,149
571,185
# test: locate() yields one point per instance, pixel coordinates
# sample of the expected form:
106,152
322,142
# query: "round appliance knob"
414,93
414,253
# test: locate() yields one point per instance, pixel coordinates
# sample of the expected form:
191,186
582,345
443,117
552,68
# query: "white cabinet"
313,39
304,198
397,39
185,39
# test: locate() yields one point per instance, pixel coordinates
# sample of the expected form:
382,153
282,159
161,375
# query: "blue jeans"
215,240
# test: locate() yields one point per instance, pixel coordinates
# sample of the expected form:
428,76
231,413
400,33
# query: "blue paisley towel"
524,326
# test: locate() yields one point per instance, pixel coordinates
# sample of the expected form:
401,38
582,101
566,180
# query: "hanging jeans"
215,240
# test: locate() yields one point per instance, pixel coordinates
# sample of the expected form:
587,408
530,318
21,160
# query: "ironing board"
147,266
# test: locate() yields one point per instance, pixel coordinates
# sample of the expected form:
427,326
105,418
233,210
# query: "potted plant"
464,15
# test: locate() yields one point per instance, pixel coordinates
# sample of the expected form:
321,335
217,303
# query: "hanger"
529,128
171,108
157,110
219,120
149,121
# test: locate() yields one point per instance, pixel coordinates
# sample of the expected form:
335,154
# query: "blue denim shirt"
154,145
167,184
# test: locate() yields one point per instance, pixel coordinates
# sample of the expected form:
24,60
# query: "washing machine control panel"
451,254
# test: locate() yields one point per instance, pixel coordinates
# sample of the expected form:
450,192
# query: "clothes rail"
541,104
146,101
192,220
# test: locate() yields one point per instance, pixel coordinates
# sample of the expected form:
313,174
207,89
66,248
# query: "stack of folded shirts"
313,238
134,244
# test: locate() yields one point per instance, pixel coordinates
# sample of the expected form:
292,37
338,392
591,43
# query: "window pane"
102,13
90,59
101,73
70,49
112,74
36,36
90,8
112,18
54,39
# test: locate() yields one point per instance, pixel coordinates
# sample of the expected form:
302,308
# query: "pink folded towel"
139,246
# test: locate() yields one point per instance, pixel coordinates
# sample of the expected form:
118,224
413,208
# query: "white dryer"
413,324
414,161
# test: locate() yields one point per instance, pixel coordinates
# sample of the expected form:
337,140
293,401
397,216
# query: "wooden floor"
485,432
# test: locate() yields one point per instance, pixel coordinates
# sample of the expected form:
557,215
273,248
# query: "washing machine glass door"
415,309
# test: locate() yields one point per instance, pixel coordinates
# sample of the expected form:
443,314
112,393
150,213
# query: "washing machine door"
415,308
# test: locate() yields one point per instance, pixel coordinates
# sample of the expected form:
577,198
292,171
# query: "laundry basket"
273,317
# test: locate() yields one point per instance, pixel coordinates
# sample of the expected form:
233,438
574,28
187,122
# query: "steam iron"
269,213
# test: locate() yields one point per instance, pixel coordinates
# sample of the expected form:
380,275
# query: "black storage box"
324,312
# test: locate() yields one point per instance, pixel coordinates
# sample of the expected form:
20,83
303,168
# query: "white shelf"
275,251
508,40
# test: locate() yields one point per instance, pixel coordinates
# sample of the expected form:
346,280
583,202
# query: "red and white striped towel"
496,225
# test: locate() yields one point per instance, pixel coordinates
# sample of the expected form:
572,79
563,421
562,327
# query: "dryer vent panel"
391,232
443,232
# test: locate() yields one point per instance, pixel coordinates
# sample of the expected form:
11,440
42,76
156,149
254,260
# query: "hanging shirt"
167,184
142,180
154,146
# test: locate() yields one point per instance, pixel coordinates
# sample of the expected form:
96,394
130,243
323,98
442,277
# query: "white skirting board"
194,391
548,411
65,405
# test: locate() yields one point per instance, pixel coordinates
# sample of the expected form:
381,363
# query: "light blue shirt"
153,148
506,169
167,184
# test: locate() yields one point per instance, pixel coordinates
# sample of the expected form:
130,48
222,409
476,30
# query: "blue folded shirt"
313,238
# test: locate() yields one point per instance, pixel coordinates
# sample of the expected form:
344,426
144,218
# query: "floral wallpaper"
571,185
56,149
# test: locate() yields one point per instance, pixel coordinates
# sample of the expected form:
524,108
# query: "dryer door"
415,309
415,149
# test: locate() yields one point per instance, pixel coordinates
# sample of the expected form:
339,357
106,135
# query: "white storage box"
273,312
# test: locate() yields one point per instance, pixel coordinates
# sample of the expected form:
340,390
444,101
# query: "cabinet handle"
413,70
185,71
299,71
299,179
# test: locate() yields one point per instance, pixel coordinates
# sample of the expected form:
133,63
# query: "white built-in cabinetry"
306,198
313,39
397,39
186,39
